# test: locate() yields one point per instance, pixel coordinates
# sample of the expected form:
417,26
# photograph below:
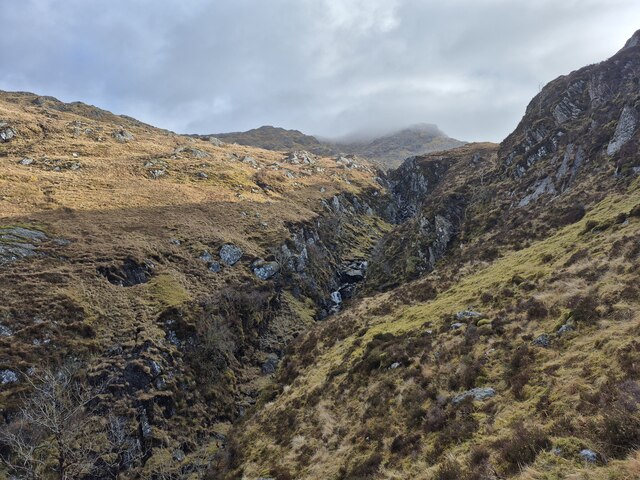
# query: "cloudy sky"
327,67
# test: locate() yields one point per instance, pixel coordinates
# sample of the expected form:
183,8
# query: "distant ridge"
387,151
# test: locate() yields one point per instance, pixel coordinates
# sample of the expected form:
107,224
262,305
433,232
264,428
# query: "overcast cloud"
325,67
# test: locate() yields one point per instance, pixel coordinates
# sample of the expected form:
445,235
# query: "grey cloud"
323,66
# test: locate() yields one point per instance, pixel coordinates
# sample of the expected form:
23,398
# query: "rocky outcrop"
626,128
122,135
230,254
19,242
6,132
129,273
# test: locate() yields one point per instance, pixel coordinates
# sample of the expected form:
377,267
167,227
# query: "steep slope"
504,345
170,271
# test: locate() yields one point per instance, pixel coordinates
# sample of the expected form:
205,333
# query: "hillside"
181,308
169,271
275,138
504,344
387,151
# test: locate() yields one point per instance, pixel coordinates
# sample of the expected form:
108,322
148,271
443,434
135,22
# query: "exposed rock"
457,325
624,131
202,175
589,455
6,132
566,328
301,157
336,297
194,152
216,142
19,242
270,365
230,254
8,376
544,186
26,161
178,455
250,161
122,135
130,273
206,256
394,365
265,270
5,331
468,315
481,393
215,267
543,340
157,173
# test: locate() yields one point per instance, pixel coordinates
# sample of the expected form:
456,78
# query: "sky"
325,67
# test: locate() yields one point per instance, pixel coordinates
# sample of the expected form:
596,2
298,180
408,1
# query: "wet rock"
481,393
230,254
589,455
336,297
6,133
624,131
128,274
122,135
265,270
8,376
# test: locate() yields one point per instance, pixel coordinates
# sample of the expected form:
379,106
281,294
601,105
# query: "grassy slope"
339,419
110,209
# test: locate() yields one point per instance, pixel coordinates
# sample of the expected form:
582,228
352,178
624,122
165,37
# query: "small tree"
55,435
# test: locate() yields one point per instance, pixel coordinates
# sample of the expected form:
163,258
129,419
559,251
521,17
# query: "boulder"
300,157
122,135
467,315
8,376
543,340
215,267
26,161
6,133
475,393
265,270
194,152
216,142
230,254
588,455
